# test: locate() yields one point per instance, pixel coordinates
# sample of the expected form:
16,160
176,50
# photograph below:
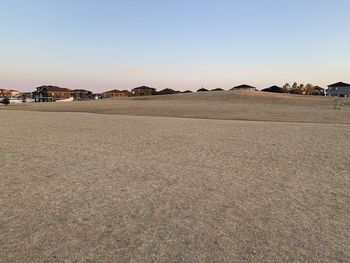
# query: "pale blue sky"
184,44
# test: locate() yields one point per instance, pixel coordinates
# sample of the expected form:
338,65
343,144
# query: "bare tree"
286,88
309,89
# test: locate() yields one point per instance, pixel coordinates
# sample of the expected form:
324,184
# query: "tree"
286,88
294,89
301,89
309,89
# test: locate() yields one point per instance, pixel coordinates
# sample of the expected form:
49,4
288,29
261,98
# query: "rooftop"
143,87
244,86
54,88
339,84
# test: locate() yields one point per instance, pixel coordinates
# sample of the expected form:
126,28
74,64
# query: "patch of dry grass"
228,105
107,188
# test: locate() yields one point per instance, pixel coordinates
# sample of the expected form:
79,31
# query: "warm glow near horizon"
104,45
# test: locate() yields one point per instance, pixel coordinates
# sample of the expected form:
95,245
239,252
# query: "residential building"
9,93
51,93
274,89
318,91
202,90
81,94
167,92
143,91
244,87
116,94
339,89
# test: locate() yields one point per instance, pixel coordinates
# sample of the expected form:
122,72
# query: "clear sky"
180,44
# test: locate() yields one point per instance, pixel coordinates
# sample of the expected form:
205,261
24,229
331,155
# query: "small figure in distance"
339,103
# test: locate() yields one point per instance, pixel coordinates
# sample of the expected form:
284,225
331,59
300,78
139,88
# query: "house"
81,94
143,91
244,87
9,93
14,93
51,93
3,93
115,94
202,90
339,89
318,91
274,89
217,89
27,97
167,92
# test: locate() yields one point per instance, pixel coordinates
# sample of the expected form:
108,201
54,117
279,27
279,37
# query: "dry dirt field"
244,179
227,105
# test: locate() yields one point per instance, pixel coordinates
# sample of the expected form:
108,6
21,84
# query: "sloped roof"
340,84
114,91
318,88
202,89
244,86
80,90
167,91
54,88
272,89
143,87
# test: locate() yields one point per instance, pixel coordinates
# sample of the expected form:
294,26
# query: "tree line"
296,88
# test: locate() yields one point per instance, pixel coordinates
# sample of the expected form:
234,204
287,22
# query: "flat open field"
227,105
80,187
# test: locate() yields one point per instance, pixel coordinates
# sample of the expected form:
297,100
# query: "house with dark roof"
116,94
167,92
318,91
339,89
82,94
202,90
274,89
143,91
244,87
51,93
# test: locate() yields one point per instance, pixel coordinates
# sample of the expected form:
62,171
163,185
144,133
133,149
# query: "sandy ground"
107,188
228,105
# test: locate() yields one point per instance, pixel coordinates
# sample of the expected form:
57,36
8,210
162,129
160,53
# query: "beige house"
9,93
143,91
116,94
